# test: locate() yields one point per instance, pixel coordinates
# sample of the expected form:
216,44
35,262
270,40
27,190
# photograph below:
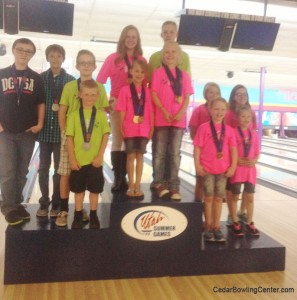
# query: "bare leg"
208,206
249,206
93,201
130,169
233,211
139,169
64,186
79,199
217,211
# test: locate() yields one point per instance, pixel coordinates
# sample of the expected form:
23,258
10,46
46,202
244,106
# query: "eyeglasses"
241,94
23,51
86,64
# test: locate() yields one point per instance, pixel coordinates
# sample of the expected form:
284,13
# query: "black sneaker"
13,218
251,229
94,221
23,213
77,221
237,229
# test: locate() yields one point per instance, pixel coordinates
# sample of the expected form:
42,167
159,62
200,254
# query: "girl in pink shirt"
239,96
215,157
135,107
248,153
171,89
116,67
199,116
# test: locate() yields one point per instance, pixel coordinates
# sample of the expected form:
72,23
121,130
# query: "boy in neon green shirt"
87,136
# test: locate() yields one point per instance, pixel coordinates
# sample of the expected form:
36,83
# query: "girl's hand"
201,171
251,162
230,172
241,161
178,116
168,116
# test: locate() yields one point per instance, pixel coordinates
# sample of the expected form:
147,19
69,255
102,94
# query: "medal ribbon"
246,143
138,103
218,142
175,83
128,65
18,88
87,134
56,89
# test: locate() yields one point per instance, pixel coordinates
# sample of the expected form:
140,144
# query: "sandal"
130,193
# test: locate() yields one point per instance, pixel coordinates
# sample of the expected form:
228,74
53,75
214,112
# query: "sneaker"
237,229
42,211
13,218
77,221
162,190
85,216
242,217
229,221
175,195
23,213
209,236
61,220
218,236
54,210
251,229
153,185
94,221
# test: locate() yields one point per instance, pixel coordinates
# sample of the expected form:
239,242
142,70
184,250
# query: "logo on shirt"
8,85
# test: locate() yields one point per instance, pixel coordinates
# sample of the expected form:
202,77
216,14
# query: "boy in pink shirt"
215,158
171,89
116,67
135,107
248,153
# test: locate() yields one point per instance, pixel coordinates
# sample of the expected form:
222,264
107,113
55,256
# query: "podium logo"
154,223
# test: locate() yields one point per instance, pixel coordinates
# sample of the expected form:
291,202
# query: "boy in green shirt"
87,136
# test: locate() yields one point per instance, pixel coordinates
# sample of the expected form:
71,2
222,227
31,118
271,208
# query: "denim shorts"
87,178
248,188
214,185
136,144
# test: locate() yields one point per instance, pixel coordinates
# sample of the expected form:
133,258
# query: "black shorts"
136,144
248,188
87,178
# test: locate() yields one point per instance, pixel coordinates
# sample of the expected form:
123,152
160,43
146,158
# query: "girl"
248,153
116,67
215,157
171,89
238,96
134,105
199,116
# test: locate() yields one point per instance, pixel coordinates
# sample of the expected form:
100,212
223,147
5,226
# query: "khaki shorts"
64,165
214,185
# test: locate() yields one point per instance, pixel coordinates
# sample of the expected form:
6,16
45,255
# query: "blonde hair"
85,52
121,47
219,99
241,108
208,86
179,51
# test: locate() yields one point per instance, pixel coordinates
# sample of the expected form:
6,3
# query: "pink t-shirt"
244,173
199,116
231,120
125,103
118,73
161,85
208,152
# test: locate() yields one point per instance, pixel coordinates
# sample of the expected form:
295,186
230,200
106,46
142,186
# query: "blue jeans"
16,150
45,156
167,148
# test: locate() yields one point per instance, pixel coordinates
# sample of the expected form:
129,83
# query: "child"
54,80
199,116
169,32
116,67
171,89
70,101
248,153
215,158
238,96
87,136
134,105
22,112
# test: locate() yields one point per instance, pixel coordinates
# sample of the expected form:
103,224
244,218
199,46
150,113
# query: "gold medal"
55,107
136,119
140,119
219,155
178,99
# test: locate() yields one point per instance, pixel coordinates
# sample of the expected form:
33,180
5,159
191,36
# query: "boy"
54,80
21,118
87,136
70,101
169,33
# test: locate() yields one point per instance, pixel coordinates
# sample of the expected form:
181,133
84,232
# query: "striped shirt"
53,87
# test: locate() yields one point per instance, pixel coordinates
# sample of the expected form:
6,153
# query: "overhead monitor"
254,35
200,30
46,16
271,118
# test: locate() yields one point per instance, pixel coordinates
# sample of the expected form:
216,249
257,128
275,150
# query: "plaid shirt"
53,89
